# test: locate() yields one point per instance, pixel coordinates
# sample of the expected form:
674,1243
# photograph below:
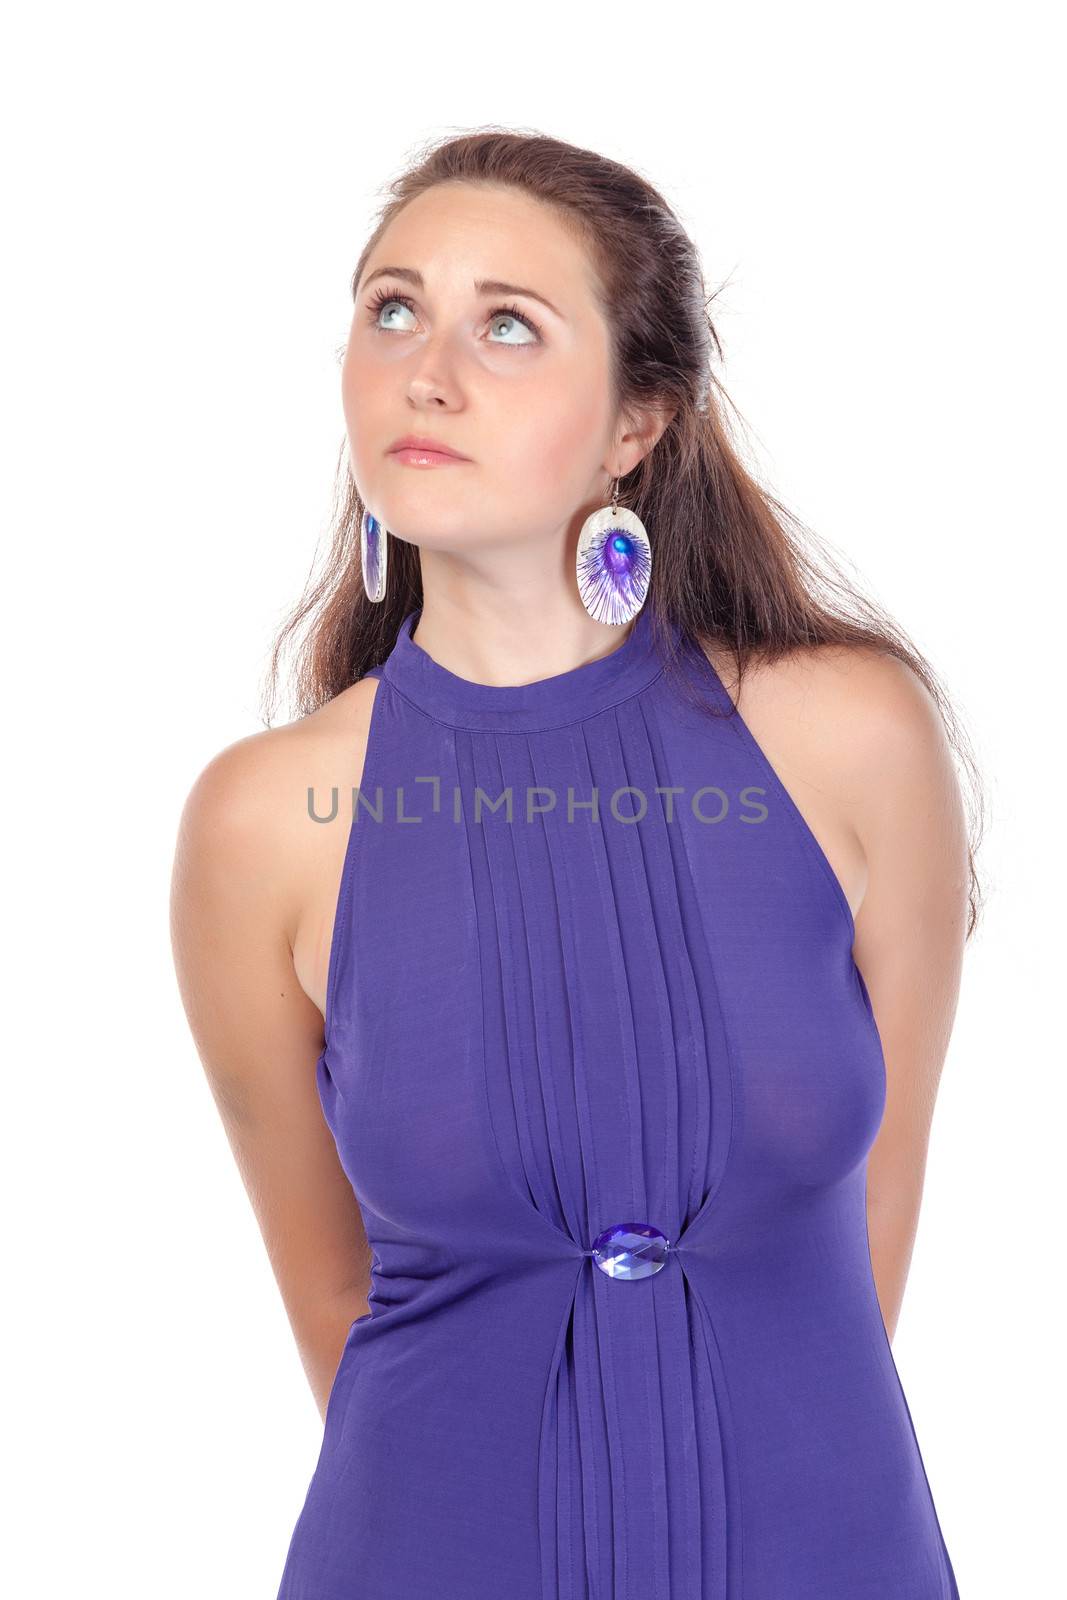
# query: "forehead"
456,233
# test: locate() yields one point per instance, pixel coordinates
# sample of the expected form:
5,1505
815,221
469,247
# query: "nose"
431,376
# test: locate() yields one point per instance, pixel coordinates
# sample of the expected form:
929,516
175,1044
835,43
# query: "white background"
186,191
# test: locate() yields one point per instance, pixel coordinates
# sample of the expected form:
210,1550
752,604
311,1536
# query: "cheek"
555,444
363,412
354,381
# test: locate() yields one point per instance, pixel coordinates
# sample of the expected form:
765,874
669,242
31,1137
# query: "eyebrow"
482,286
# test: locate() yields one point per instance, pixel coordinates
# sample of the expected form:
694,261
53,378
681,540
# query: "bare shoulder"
857,739
247,811
842,679
858,711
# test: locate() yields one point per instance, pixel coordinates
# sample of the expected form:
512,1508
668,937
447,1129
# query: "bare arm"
909,816
241,873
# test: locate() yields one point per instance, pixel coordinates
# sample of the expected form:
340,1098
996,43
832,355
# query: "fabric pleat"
579,998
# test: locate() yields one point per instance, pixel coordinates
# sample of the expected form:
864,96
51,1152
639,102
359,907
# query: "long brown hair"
732,567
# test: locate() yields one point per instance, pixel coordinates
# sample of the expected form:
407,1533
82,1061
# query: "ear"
638,431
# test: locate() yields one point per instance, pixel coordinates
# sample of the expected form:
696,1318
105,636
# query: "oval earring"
614,562
374,555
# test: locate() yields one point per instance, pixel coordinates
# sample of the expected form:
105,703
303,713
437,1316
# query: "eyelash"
383,297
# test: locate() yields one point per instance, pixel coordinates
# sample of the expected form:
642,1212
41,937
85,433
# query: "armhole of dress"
339,937
801,825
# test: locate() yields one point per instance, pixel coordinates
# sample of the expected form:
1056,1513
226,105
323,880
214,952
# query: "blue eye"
513,314
384,297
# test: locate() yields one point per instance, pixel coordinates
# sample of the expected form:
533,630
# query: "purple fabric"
539,1028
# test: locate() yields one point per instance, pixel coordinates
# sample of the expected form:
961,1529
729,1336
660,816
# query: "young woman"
581,1066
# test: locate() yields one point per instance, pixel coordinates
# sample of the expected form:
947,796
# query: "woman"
551,1064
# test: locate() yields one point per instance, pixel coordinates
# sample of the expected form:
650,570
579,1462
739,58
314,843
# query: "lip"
418,449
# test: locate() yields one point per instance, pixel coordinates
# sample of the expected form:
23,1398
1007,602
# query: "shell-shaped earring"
374,555
614,562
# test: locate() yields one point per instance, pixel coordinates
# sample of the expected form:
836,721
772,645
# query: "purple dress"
604,1075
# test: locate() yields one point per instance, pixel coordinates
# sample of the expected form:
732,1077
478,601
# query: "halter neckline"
563,698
